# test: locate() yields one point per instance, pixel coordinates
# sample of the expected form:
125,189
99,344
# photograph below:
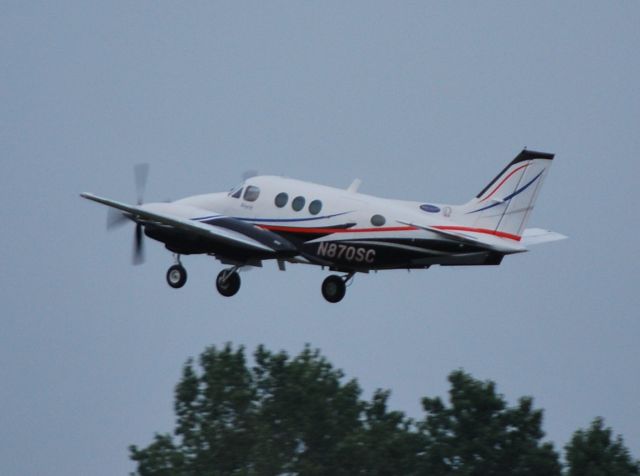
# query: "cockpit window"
251,193
236,192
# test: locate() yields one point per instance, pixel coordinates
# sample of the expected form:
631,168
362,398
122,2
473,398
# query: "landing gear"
228,281
176,274
334,287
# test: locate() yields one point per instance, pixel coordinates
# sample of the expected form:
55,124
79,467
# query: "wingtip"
88,196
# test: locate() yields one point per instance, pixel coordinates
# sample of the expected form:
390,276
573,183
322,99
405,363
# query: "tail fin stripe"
523,156
508,197
502,182
516,189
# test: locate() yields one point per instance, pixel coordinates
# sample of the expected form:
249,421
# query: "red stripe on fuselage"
502,182
486,231
327,231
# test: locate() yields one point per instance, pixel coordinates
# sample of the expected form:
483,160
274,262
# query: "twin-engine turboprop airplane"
276,218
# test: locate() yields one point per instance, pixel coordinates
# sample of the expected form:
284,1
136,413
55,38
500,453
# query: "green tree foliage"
282,416
594,452
479,434
299,416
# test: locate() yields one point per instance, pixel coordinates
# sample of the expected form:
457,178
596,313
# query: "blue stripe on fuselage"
289,220
271,220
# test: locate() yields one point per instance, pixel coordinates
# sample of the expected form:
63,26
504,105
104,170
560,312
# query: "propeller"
115,218
138,246
141,172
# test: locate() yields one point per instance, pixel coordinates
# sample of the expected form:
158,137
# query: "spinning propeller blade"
138,246
141,172
115,218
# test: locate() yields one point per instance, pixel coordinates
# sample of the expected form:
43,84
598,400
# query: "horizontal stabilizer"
535,236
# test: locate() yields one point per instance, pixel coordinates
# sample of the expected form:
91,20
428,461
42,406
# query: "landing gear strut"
176,274
228,281
334,287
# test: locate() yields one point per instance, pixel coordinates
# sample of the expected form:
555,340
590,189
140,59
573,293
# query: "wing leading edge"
263,242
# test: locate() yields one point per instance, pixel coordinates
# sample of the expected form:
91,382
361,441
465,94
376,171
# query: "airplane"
292,221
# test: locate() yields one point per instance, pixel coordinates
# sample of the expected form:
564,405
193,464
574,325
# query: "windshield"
236,192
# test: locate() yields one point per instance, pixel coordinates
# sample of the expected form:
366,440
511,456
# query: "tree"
305,416
594,452
299,416
478,434
215,417
387,443
282,416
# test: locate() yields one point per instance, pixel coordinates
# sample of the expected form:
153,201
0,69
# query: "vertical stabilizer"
505,204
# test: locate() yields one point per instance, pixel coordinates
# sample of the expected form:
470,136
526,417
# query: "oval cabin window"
315,207
298,203
281,199
378,220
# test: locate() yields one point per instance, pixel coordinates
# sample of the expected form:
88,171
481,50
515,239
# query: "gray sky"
421,100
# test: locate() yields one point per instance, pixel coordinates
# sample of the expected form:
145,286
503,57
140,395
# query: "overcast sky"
421,100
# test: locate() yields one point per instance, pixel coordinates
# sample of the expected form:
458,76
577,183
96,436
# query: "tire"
176,276
333,288
231,286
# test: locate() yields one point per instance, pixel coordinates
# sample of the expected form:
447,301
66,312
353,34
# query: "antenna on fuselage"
355,185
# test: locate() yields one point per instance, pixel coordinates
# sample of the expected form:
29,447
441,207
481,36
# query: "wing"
260,241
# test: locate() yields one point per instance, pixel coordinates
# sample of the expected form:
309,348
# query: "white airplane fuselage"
350,231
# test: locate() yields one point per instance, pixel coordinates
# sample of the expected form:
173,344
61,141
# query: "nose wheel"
228,282
334,287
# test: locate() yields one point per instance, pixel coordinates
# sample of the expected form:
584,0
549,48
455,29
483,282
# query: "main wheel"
176,276
230,286
333,288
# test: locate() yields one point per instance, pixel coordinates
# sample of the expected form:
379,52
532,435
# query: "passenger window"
378,220
281,199
298,203
315,207
251,193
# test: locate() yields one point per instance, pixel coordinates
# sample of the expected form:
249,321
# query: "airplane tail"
505,204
